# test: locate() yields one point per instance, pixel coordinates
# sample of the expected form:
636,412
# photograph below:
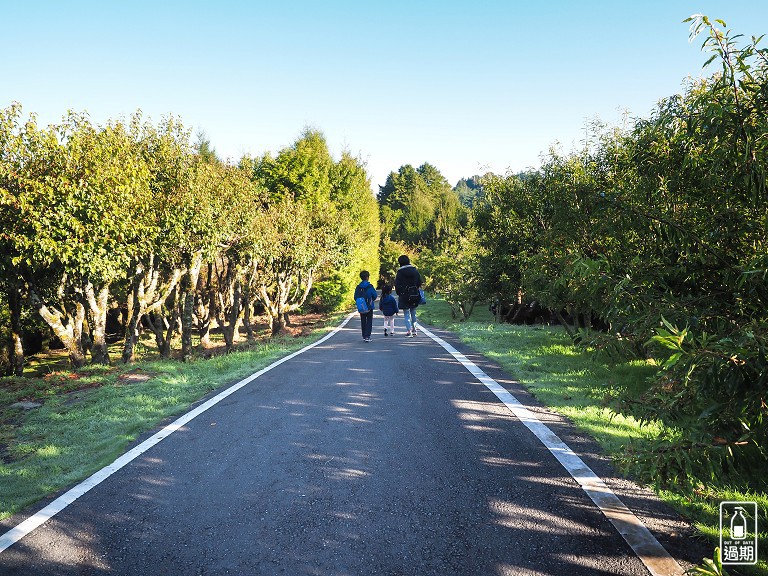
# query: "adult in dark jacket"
366,290
407,280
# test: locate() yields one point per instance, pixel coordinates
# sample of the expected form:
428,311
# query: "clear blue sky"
467,86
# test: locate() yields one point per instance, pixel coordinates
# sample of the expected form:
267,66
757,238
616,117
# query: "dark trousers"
366,320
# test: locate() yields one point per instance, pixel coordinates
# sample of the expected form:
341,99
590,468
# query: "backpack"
412,296
363,301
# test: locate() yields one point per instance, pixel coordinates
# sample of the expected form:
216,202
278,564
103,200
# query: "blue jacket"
388,305
366,290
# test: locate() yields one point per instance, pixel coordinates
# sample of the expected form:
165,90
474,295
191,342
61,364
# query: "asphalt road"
384,458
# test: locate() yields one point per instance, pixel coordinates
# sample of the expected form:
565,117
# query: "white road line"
18,532
656,559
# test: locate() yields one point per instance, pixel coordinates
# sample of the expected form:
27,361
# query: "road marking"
656,559
18,532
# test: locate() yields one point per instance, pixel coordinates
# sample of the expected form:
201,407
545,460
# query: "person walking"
365,295
407,284
388,307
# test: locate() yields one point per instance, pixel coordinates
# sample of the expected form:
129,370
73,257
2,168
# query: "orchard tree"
77,192
509,219
14,139
155,274
203,212
108,180
293,245
236,261
456,273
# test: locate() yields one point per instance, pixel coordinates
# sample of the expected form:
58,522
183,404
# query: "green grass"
561,375
89,417
577,383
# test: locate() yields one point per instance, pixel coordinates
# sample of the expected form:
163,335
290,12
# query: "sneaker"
408,334
412,334
385,332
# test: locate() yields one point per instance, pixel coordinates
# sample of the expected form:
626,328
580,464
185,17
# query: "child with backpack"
365,295
388,307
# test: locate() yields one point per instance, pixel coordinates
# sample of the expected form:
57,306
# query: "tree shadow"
340,462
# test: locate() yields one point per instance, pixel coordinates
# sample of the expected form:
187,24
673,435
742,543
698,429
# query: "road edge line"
644,544
39,518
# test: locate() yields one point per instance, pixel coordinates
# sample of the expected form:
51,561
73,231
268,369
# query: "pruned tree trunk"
16,344
97,311
67,325
150,289
277,324
85,335
229,325
157,323
284,297
188,289
247,311
206,309
466,309
161,327
134,308
518,314
565,325
172,326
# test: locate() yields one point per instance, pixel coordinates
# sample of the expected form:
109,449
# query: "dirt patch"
60,377
303,325
133,377
300,325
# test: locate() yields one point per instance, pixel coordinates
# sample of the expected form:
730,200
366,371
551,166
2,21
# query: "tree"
237,261
456,273
108,181
334,217
300,171
419,207
357,245
154,275
469,190
75,193
508,220
204,149
204,216
12,161
290,250
409,208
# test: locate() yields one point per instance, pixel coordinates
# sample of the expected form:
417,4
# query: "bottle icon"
738,524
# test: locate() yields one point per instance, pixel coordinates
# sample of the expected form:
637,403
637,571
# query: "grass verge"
575,382
89,417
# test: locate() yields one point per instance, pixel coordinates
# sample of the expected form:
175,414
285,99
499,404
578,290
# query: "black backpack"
412,296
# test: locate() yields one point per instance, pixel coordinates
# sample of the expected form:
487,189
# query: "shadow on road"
354,458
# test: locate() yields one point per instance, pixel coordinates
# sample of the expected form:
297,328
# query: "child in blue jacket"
388,307
366,290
